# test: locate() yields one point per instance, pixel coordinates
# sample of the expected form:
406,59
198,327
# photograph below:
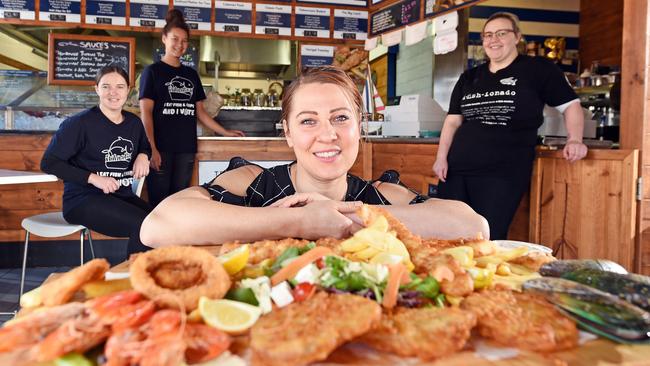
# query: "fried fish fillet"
60,290
427,333
309,331
521,320
533,260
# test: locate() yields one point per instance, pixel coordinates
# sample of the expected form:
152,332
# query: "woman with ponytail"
171,101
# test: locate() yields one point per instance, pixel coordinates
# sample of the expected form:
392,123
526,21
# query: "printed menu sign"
18,9
312,22
394,16
312,56
363,3
435,7
105,12
273,19
196,12
233,16
148,13
350,24
68,11
75,59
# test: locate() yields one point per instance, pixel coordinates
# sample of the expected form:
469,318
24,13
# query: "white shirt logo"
118,155
509,81
180,89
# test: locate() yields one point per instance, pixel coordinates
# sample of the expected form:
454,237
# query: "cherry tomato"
320,263
303,291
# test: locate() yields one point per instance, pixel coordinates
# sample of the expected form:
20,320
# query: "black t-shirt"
89,142
175,91
274,183
501,114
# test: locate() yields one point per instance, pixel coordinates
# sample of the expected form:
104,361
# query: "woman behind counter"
171,101
311,198
488,139
97,153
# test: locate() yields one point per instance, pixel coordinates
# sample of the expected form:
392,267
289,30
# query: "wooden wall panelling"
412,161
379,66
601,22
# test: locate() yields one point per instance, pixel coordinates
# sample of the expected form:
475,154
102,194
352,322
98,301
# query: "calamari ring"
170,275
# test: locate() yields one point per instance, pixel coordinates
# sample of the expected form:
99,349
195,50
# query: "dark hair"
110,69
175,19
323,75
514,20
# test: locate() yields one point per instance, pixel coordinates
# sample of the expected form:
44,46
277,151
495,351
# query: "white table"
19,177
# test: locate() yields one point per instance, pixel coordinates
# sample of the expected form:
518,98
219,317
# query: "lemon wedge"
232,317
235,260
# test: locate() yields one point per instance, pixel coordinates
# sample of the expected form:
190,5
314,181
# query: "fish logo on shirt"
118,155
509,81
180,89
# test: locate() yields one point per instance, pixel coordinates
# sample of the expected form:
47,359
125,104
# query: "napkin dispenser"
412,114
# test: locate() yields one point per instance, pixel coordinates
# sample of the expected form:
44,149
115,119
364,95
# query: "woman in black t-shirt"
171,101
487,145
311,198
97,153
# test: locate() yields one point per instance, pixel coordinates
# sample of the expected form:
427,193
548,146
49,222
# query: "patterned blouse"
274,183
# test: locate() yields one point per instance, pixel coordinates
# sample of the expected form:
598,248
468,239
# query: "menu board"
350,24
233,16
75,59
105,12
394,16
190,58
273,19
68,11
312,22
18,9
316,55
148,13
362,3
435,7
196,12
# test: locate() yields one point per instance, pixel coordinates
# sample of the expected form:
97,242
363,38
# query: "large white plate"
510,244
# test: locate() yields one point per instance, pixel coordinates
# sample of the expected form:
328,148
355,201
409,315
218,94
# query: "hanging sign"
233,16
313,55
273,19
18,9
394,16
196,12
105,12
312,22
148,13
363,3
350,24
68,11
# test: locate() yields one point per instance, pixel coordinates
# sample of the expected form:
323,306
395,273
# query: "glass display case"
27,103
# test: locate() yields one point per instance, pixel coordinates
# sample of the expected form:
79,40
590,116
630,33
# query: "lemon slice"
235,260
232,317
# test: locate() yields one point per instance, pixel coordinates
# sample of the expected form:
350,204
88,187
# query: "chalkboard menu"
394,16
75,59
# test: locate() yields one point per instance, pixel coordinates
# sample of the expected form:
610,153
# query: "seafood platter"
383,297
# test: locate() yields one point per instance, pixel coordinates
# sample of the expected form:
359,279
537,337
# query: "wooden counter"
585,209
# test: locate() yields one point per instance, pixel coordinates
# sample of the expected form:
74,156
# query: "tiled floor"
10,286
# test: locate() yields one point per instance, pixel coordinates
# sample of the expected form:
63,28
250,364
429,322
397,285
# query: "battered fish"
60,290
427,333
309,331
521,320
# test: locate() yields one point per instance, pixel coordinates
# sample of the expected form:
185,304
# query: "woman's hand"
156,160
299,200
440,167
106,184
233,133
322,219
141,166
574,151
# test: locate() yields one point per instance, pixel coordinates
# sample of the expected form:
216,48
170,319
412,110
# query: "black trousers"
174,175
113,216
495,198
